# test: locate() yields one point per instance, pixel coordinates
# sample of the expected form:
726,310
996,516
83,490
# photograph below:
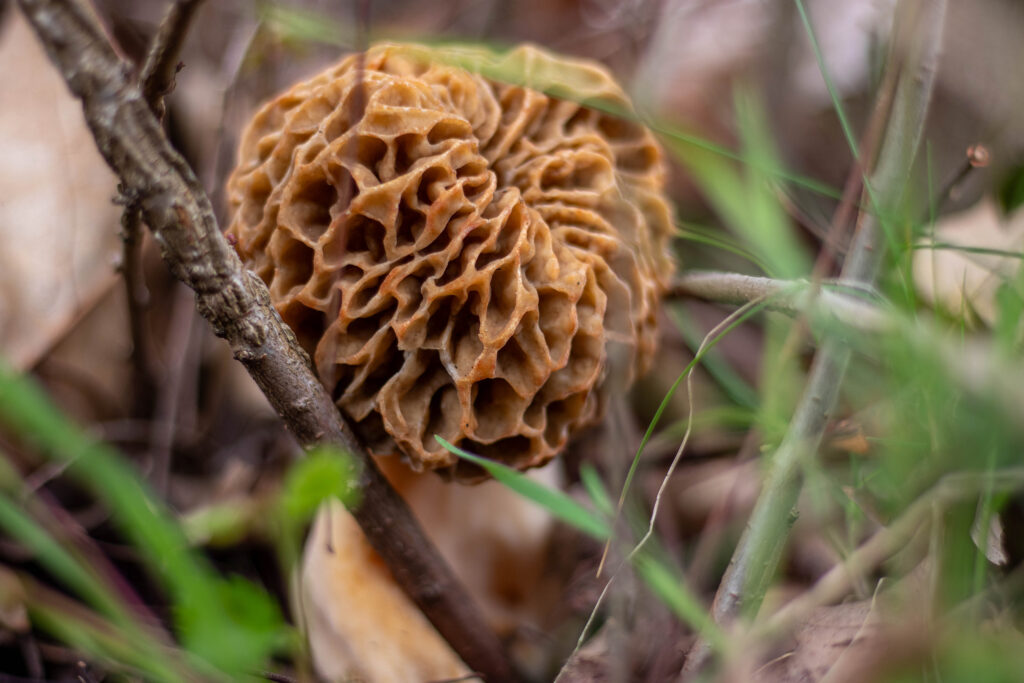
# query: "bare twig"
757,556
975,157
144,374
157,78
793,297
885,543
162,60
168,400
974,366
237,305
863,160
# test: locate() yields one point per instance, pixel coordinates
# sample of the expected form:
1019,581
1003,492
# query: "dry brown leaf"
361,625
960,281
835,643
57,223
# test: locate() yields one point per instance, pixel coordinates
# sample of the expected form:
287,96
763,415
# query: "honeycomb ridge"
458,256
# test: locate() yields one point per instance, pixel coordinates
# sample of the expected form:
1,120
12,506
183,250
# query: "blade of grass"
94,636
506,65
767,229
735,387
574,82
217,624
557,503
987,251
734,320
719,240
757,556
594,487
666,585
833,92
62,564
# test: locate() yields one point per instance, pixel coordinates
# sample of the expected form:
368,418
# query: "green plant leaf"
247,626
670,588
60,562
325,473
662,580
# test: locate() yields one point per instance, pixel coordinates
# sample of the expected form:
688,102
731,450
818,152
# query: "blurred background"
741,78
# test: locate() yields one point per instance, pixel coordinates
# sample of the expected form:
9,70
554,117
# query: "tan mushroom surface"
459,256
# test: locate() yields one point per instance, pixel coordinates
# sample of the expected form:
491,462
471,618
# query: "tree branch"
237,305
162,63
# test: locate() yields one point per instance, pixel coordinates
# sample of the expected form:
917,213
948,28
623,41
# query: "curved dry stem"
792,297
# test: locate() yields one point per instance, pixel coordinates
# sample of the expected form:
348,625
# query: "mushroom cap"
459,256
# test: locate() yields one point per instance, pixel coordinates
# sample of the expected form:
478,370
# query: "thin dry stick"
748,303
165,413
715,331
157,79
162,61
144,375
885,543
863,161
237,305
757,556
974,366
793,297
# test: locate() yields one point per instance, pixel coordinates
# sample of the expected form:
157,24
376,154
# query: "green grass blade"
735,387
506,65
744,195
221,622
108,645
833,92
986,251
594,487
751,311
670,588
662,580
129,647
557,503
719,240
61,563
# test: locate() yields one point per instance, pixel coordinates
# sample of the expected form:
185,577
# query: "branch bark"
236,303
162,60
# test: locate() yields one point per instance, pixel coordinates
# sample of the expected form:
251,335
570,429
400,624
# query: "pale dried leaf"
57,224
360,624
961,281
831,639
993,543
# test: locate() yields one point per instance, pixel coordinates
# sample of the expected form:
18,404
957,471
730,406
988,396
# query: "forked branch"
158,181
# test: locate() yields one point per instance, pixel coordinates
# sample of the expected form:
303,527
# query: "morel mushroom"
459,256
